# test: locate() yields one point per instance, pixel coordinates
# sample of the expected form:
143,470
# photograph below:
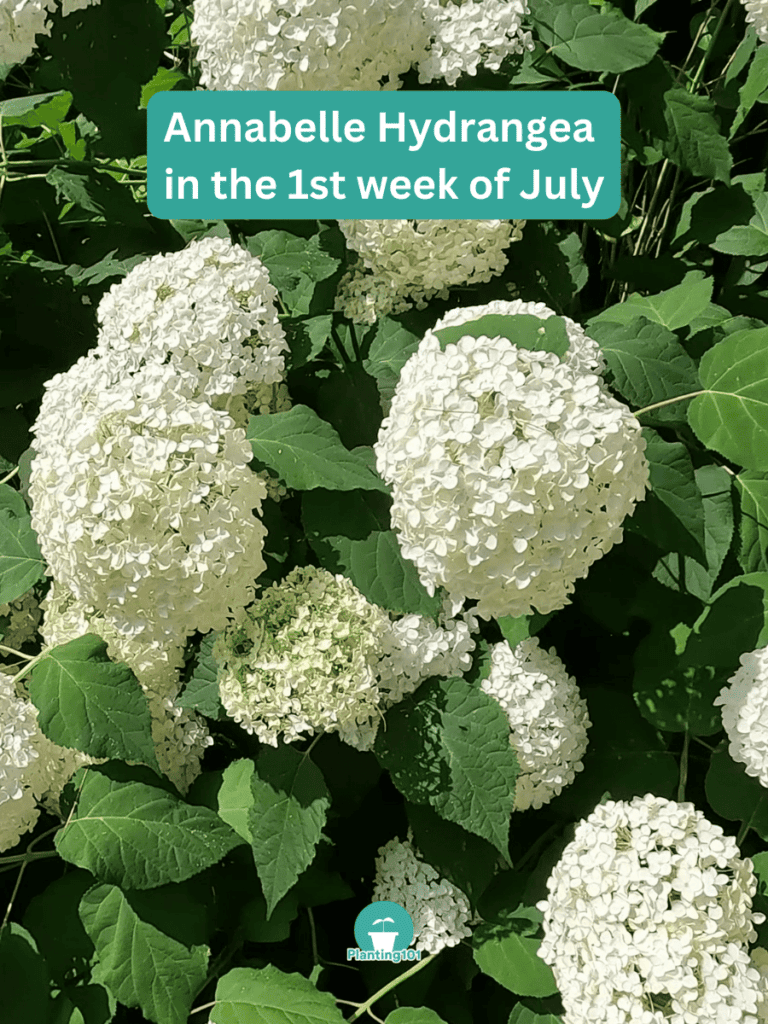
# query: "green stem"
29,666
15,653
683,768
700,70
23,858
10,476
670,401
392,984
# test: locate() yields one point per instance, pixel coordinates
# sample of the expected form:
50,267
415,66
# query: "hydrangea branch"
390,985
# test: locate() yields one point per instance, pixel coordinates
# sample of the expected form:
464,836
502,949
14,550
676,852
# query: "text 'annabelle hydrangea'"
440,912
648,918
745,714
511,470
406,262
547,716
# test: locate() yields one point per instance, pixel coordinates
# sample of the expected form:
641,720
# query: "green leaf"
290,805
96,192
594,40
521,1014
202,691
295,265
27,1000
753,525
21,563
139,964
449,746
735,621
307,338
647,364
137,835
753,89
523,330
732,417
268,996
391,348
235,797
413,1015
67,949
89,703
511,959
674,308
258,926
306,452
685,574
163,80
673,484
735,795
695,143
747,239
48,108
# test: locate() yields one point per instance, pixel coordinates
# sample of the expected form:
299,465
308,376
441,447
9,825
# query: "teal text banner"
367,155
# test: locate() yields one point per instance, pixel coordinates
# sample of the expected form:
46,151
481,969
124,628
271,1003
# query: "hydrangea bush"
356,561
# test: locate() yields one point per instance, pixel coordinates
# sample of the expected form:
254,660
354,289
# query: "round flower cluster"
547,716
440,912
314,655
477,32
143,501
745,714
180,736
408,262
648,917
757,15
23,616
22,20
307,44
511,470
209,311
32,768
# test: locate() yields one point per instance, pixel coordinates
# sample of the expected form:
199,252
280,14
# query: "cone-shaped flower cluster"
547,717
648,919
407,262
511,470
440,912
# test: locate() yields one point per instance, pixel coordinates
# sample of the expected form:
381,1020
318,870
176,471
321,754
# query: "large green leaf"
295,265
521,1014
524,330
647,364
732,417
235,796
48,108
306,452
137,962
134,834
735,795
268,996
749,239
27,1000
290,805
754,88
695,142
674,308
202,690
753,525
67,949
391,348
508,954
21,563
735,621
89,703
449,746
593,39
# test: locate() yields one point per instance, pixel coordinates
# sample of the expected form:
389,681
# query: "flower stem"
392,984
671,401
683,768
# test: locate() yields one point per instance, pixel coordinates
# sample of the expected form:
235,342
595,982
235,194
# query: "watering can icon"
383,940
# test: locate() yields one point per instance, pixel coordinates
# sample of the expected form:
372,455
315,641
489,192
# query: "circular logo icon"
384,926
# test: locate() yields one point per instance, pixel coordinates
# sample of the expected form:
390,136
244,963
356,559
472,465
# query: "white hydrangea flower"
303,659
406,262
180,736
483,32
648,917
208,310
307,44
547,716
440,912
143,500
511,470
757,15
744,704
24,616
22,20
32,768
